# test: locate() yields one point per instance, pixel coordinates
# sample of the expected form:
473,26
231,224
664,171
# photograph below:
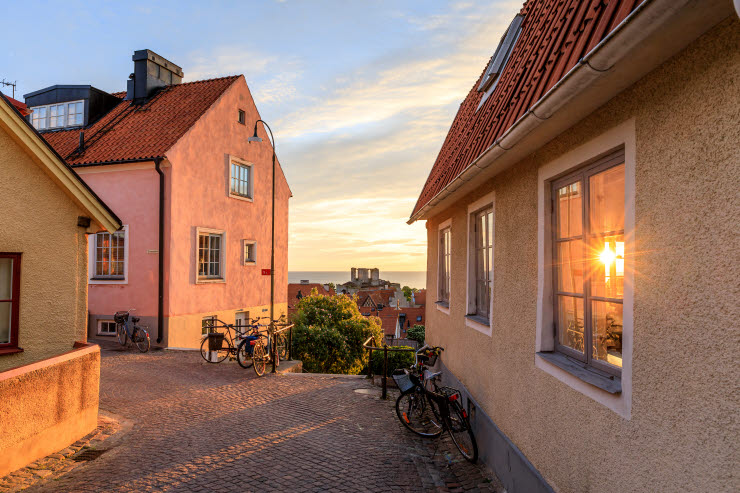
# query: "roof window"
500,57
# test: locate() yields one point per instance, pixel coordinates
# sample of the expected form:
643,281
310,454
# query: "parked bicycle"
127,329
217,346
428,409
257,348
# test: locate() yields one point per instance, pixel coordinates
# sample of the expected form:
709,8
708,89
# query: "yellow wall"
184,331
682,430
39,220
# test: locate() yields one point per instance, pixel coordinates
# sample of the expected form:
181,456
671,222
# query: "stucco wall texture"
47,406
39,220
683,431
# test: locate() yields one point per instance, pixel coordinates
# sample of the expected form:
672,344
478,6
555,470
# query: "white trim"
91,245
621,135
47,118
485,201
214,280
443,309
100,332
246,261
444,225
250,166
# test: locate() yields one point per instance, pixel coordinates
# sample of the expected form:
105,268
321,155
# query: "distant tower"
354,274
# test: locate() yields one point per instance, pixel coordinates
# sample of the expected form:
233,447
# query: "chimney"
151,72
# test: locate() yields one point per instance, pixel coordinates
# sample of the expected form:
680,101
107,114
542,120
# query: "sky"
360,94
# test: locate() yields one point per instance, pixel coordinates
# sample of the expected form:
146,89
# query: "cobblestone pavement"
203,427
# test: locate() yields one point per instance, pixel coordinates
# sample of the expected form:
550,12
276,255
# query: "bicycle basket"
431,358
215,341
403,381
120,317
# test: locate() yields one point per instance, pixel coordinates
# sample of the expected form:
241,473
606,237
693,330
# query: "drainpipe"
160,287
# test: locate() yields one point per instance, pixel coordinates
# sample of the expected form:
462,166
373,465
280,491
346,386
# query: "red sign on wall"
265,272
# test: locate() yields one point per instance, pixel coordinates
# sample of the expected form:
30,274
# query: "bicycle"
245,349
430,412
138,335
212,348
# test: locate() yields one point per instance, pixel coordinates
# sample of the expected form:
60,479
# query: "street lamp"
251,139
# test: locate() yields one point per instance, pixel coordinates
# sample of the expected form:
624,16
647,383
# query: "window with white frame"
106,327
210,254
241,179
481,263
588,257
445,262
250,252
58,115
207,324
110,257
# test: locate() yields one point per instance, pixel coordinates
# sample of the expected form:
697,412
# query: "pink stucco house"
173,157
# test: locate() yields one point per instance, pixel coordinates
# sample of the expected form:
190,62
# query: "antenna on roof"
8,83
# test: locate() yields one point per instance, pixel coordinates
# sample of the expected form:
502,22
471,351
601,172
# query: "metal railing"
385,348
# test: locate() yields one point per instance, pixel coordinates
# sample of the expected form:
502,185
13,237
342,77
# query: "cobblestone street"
201,427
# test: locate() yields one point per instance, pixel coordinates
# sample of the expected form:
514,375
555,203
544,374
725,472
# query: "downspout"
160,287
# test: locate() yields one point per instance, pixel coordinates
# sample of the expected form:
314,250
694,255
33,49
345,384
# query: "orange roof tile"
555,35
139,132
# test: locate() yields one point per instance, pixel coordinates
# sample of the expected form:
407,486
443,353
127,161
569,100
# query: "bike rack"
385,350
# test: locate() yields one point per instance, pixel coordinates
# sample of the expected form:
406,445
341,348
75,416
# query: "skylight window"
500,57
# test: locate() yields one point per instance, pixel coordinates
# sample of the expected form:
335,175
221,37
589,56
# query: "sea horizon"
412,279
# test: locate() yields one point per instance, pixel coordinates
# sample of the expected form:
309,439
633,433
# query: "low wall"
47,405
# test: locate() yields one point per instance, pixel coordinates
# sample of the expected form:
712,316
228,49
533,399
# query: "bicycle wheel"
214,356
461,432
121,334
419,414
141,339
243,355
259,358
282,346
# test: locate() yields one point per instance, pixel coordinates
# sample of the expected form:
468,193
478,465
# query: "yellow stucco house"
49,374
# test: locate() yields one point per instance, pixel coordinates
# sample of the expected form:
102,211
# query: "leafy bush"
396,359
417,333
329,332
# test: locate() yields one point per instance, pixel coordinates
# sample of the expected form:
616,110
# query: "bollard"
385,371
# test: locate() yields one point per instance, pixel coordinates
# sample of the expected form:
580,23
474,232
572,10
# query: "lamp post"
255,138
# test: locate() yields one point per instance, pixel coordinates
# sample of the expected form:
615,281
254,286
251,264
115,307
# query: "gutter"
160,277
675,23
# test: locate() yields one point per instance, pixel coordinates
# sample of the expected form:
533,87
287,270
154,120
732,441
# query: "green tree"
329,332
417,333
396,359
407,292
332,286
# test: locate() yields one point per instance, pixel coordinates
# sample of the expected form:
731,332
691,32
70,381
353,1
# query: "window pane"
6,278
570,266
606,321
570,322
607,267
5,310
606,200
570,213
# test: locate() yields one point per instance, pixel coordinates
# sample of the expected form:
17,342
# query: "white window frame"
484,202
100,324
250,168
439,304
222,258
91,251
245,259
47,117
622,135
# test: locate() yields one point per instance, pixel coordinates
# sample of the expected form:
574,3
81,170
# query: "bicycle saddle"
429,375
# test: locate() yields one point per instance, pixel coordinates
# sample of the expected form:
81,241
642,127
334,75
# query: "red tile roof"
21,107
376,295
555,35
130,132
389,318
304,290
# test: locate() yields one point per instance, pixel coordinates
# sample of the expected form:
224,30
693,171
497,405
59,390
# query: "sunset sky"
360,95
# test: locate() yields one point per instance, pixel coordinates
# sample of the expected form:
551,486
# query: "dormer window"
59,115
500,57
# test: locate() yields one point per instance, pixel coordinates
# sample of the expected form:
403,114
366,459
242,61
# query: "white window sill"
241,197
107,281
211,281
475,324
250,262
443,307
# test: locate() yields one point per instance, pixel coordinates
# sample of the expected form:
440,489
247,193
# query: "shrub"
396,359
329,332
417,333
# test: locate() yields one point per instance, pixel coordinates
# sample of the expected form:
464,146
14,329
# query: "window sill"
220,280
608,383
104,280
443,306
250,262
481,324
10,350
241,197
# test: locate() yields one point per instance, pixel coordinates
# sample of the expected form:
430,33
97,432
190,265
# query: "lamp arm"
272,139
